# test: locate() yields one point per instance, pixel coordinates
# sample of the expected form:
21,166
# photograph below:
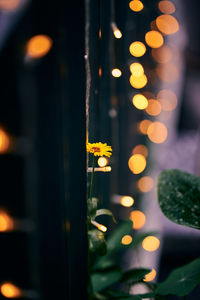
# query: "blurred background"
137,64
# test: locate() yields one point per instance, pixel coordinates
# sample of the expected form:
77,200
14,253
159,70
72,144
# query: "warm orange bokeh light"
136,5
137,69
4,141
144,125
145,184
140,149
166,7
38,46
150,276
151,243
116,73
9,5
138,82
138,218
154,39
137,49
167,24
167,99
9,290
140,101
137,163
117,33
126,201
157,132
162,55
6,222
102,161
127,240
153,108
168,73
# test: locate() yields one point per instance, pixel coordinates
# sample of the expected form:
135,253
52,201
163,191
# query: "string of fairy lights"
157,109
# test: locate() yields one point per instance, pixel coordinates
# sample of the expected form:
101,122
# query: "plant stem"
92,179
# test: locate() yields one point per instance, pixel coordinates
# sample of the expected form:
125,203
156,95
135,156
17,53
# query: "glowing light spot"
138,82
145,184
100,33
150,276
137,69
126,240
38,46
157,132
167,24
6,222
4,141
162,55
102,228
126,201
100,72
154,39
116,73
166,7
9,5
144,125
138,218
102,161
117,33
151,243
153,108
140,101
136,5
167,99
168,73
9,290
137,49
140,149
137,163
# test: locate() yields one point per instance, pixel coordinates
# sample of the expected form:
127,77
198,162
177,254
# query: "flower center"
96,149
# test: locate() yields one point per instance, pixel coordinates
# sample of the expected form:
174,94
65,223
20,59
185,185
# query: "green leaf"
103,264
182,280
135,275
178,195
104,211
97,242
100,281
114,294
92,206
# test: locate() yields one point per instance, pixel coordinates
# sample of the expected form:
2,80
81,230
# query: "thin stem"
92,179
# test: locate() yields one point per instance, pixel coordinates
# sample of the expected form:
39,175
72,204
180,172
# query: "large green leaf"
179,197
97,242
182,280
114,294
100,281
135,275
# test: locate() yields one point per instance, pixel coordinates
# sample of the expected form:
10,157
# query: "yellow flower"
99,149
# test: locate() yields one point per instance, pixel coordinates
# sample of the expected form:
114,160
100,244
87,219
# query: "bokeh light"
167,24
117,33
150,276
157,132
4,141
38,46
167,73
137,163
140,149
144,125
127,240
166,7
167,99
138,82
151,243
137,49
102,161
162,55
138,218
136,5
6,222
126,201
140,101
116,73
154,39
9,5
145,184
9,290
137,69
153,108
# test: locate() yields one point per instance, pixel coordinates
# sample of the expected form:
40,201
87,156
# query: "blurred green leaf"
182,280
92,206
178,195
135,275
100,281
114,294
104,211
103,264
97,242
